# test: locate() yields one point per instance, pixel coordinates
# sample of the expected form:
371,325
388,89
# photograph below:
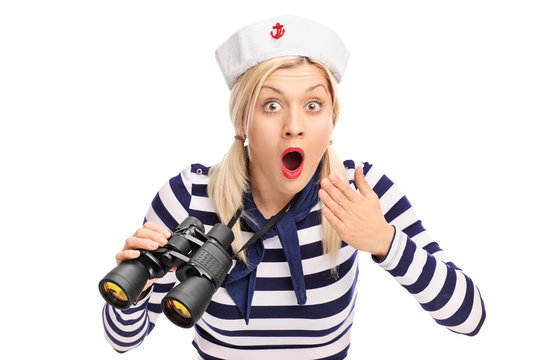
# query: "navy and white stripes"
420,266
278,326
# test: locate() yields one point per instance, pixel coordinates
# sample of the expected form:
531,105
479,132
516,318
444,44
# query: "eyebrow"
281,93
314,87
272,88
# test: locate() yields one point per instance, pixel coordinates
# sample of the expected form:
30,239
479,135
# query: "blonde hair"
229,179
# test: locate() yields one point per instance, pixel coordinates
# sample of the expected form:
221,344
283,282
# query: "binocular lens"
178,311
115,294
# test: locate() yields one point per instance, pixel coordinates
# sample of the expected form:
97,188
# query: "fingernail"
333,178
166,233
325,182
163,241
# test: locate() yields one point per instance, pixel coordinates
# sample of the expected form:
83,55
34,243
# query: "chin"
295,185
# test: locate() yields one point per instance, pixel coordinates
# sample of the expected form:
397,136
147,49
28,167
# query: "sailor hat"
281,36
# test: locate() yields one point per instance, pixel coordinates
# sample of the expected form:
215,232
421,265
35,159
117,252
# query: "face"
290,130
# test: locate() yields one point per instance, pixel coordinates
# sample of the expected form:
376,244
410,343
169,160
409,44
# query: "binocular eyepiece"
202,263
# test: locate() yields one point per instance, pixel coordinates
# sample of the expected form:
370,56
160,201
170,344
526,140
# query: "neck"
269,200
269,207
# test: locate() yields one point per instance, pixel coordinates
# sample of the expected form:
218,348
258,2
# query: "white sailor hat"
281,36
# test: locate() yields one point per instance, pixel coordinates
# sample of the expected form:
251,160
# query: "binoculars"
202,262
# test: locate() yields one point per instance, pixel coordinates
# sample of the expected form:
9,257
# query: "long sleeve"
126,329
421,267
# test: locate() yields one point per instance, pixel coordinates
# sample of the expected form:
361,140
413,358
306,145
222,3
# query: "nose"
293,124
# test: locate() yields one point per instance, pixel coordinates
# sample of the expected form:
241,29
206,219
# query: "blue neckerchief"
240,283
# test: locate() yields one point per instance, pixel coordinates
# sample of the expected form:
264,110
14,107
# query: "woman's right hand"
149,237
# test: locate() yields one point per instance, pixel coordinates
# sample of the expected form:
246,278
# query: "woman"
292,293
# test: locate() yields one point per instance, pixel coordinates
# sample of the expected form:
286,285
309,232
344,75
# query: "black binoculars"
202,262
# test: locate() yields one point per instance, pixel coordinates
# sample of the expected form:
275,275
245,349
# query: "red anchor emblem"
279,31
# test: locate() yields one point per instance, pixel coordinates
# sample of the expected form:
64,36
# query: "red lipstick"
292,162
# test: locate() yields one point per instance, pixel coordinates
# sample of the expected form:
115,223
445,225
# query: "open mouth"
292,162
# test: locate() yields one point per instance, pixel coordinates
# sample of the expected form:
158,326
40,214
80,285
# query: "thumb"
361,182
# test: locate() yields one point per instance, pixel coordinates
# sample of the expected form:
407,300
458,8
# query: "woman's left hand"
356,215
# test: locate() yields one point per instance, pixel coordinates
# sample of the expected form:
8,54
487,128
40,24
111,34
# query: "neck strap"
273,220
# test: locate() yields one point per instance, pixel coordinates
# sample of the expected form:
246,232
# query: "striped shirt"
278,326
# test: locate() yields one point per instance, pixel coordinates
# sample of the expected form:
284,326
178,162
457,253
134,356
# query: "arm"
421,267
126,329
378,219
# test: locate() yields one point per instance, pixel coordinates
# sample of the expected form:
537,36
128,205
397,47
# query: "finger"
344,187
155,236
333,220
361,182
159,228
134,242
336,209
335,193
127,255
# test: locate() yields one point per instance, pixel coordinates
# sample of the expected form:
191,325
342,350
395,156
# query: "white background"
101,102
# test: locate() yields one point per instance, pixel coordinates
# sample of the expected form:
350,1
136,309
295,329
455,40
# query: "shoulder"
376,179
186,194
191,180
368,168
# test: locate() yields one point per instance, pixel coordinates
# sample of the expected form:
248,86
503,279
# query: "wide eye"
314,106
272,106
